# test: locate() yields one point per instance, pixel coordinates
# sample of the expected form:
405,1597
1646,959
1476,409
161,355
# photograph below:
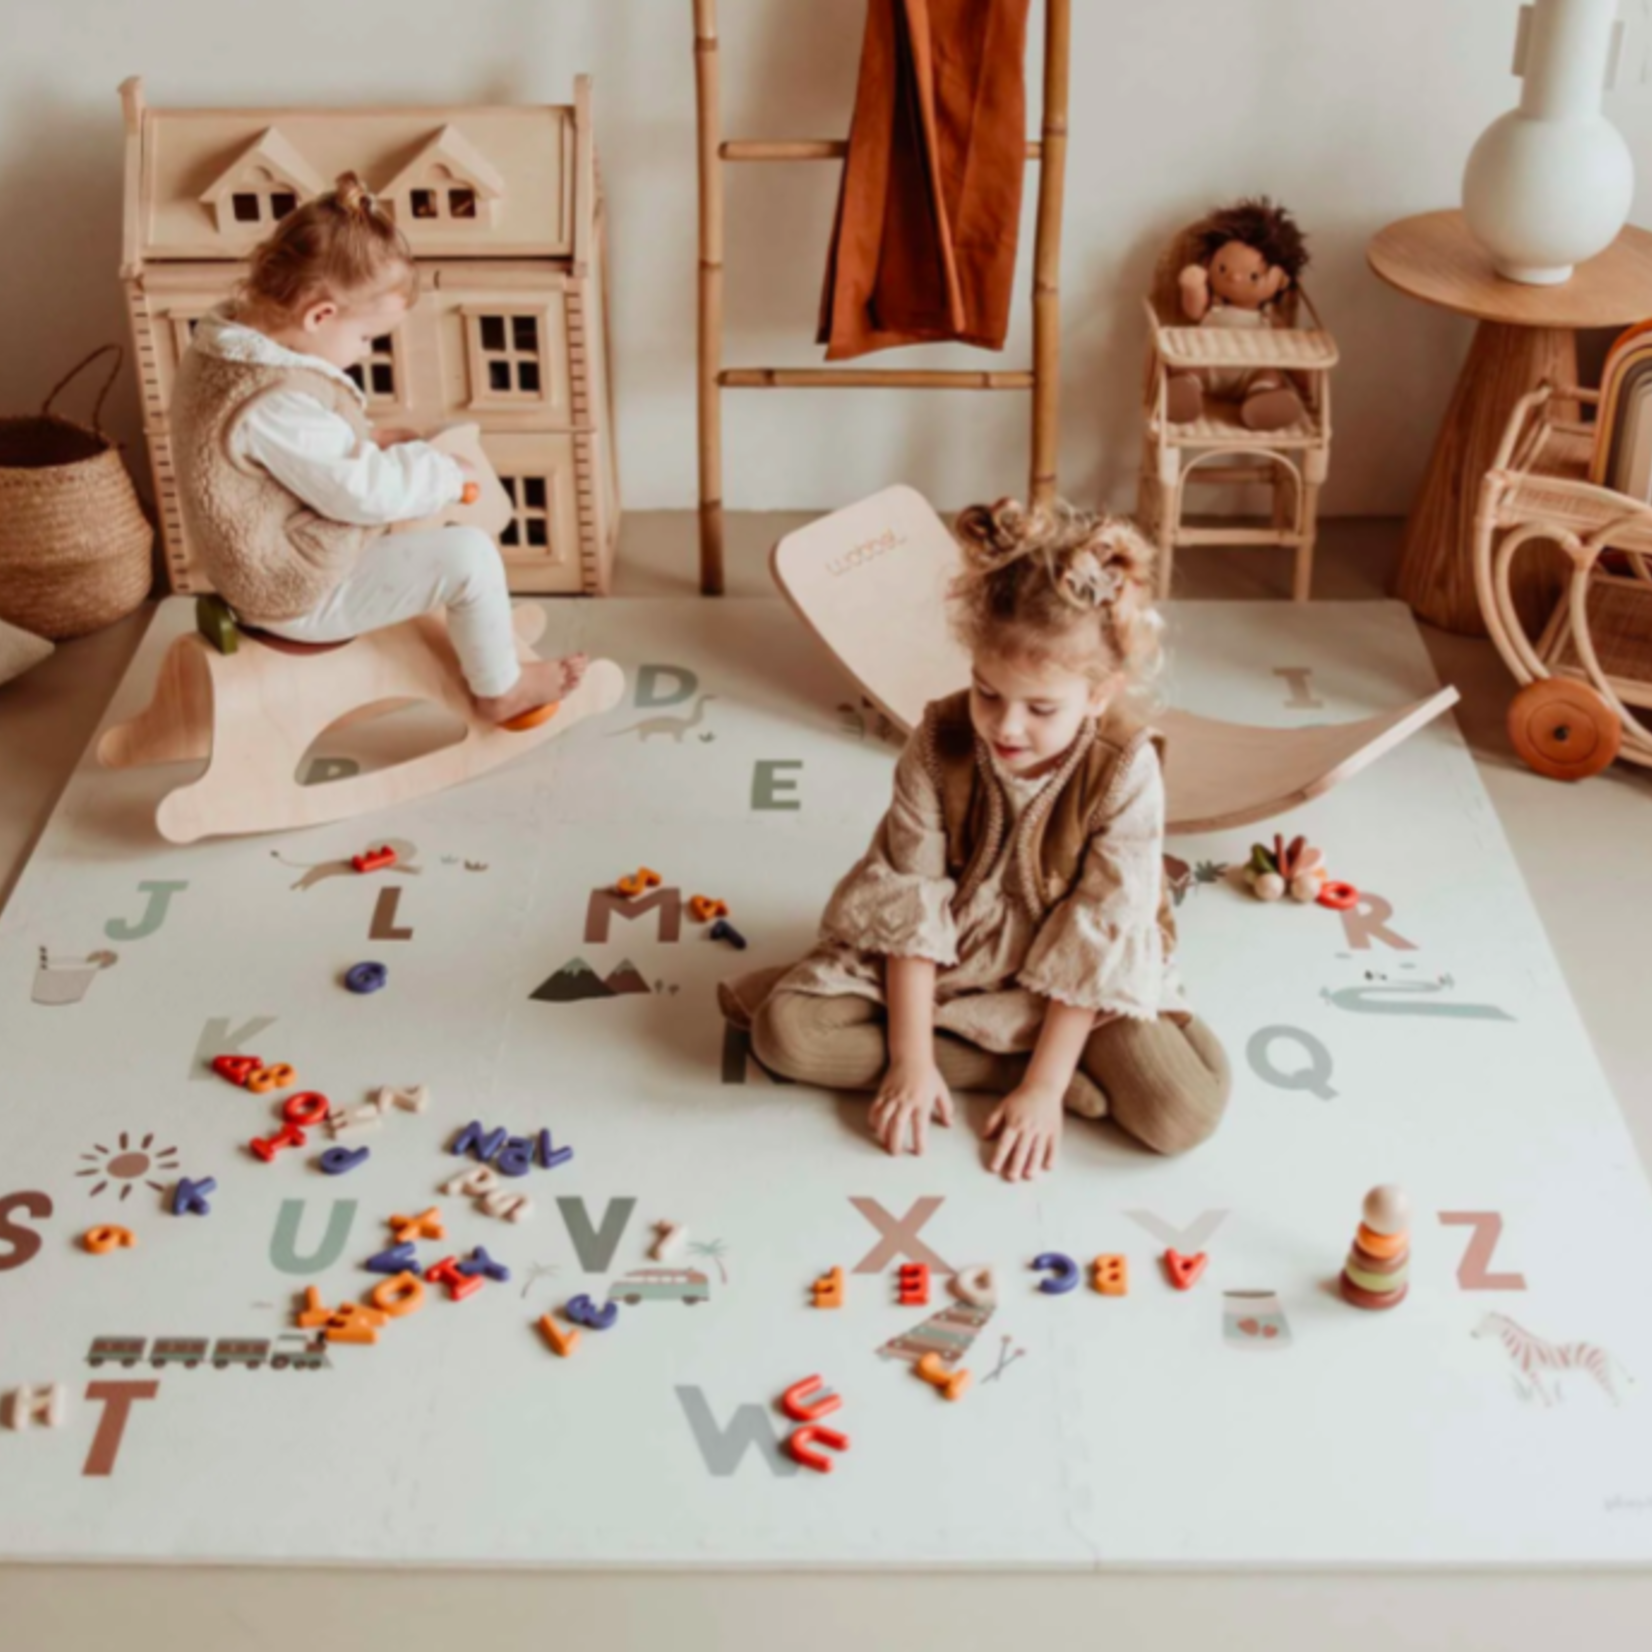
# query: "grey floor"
1586,853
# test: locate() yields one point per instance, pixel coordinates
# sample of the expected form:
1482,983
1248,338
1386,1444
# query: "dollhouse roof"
272,153
452,150
525,153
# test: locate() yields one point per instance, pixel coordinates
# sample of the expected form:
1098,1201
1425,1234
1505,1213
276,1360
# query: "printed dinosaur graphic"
319,870
675,727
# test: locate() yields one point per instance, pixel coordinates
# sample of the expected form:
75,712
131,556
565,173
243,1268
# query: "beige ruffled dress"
1100,948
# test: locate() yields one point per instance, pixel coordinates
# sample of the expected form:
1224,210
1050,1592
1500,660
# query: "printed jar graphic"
1254,1319
66,980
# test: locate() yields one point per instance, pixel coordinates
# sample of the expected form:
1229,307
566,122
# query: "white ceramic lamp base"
1544,196
1549,185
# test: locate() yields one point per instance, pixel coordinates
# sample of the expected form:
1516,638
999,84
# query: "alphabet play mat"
204,1393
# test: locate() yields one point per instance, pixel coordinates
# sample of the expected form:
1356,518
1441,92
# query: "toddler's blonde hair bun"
1057,581
354,197
341,246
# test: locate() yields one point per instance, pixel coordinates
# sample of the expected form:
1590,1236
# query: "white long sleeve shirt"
314,454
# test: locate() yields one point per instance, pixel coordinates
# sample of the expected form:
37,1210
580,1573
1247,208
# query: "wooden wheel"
1564,729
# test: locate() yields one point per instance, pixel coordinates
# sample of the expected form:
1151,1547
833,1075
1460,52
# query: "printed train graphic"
291,1350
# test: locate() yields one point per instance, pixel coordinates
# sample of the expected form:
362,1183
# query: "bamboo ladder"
1044,378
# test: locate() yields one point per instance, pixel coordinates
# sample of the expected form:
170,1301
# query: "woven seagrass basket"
74,542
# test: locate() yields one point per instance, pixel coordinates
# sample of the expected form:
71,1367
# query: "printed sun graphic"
128,1165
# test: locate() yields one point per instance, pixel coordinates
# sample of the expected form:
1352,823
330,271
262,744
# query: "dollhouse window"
530,523
253,206
450,182
507,355
261,185
377,376
455,201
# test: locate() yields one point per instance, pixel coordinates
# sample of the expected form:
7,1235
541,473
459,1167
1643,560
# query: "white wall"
1353,113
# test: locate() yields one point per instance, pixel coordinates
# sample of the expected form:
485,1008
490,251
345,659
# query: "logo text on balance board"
868,550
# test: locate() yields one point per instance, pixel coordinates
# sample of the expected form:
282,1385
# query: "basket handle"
109,383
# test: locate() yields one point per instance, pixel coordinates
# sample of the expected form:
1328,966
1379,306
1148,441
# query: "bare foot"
542,682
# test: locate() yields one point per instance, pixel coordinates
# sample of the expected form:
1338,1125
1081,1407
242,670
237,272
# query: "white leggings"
401,575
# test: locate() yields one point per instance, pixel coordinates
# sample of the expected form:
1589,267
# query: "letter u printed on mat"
284,1241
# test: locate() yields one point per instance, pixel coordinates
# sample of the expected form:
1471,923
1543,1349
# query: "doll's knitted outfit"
1235,381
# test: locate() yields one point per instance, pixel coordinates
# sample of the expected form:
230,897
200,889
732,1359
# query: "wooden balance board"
870,581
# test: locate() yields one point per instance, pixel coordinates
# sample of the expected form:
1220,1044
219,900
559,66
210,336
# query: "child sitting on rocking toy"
287,491
1008,929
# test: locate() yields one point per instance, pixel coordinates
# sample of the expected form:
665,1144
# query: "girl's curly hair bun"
1060,582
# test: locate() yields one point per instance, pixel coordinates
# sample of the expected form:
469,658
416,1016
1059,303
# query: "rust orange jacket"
930,209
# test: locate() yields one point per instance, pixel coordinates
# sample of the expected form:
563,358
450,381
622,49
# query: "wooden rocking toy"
870,581
256,711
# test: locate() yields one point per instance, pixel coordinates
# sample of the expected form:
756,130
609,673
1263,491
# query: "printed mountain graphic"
575,980
625,977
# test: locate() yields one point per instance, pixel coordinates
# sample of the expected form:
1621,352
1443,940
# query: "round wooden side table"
1526,334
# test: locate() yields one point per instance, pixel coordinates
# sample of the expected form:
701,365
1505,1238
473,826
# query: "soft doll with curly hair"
1243,263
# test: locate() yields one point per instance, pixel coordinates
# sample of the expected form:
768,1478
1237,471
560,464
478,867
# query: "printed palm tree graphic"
536,1272
1182,879
716,1250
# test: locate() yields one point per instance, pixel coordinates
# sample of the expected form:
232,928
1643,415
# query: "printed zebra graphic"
1532,1356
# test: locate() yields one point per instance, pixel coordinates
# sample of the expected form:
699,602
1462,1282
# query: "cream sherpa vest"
1055,830
270,557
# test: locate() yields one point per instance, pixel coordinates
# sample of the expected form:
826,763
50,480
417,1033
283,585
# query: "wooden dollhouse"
503,208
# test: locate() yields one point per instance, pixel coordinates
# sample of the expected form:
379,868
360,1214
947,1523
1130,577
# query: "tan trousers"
1164,1084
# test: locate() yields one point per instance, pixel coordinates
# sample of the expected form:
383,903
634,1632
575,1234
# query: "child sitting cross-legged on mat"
286,490
1008,929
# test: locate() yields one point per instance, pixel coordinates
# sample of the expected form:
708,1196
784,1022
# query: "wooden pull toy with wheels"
252,705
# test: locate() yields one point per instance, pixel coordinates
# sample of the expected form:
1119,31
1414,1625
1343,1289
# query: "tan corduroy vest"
1055,828
270,557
